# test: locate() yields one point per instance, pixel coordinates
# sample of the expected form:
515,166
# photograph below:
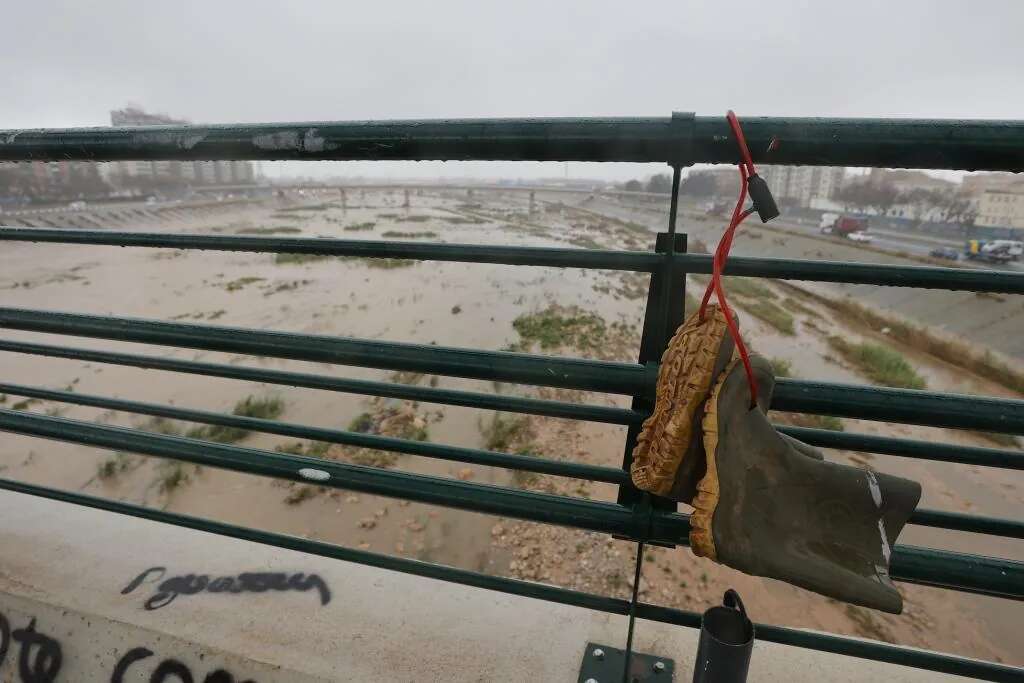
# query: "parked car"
859,236
948,253
994,251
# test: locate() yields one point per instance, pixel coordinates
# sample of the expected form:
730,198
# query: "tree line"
863,196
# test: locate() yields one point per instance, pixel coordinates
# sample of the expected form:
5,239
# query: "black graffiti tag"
40,658
167,670
246,582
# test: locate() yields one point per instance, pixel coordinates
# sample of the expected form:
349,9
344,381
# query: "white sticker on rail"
315,475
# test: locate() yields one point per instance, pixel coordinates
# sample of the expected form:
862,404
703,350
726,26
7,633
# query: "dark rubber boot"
695,356
694,463
767,509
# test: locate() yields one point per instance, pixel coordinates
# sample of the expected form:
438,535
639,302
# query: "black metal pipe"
925,277
854,647
469,399
895,143
422,448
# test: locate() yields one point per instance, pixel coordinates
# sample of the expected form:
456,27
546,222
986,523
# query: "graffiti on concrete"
246,582
167,671
40,658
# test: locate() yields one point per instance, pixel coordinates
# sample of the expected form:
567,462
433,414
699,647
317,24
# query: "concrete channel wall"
87,595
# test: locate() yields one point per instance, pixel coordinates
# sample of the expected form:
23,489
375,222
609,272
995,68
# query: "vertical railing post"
664,313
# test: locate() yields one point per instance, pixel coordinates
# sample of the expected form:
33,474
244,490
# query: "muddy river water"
470,305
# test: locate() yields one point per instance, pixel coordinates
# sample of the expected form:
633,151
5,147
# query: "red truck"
844,226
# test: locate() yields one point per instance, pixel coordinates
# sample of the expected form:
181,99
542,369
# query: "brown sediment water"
469,305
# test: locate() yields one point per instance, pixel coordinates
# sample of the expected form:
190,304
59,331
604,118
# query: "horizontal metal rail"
970,573
945,520
925,450
680,139
554,371
427,449
928,277
557,257
907,406
844,400
856,647
579,513
908,448
469,399
956,521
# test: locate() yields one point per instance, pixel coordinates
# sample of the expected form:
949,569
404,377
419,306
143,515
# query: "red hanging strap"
746,169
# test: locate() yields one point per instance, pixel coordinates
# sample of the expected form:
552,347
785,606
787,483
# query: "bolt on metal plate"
603,664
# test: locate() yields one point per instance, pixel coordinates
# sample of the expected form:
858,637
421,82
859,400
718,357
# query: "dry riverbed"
593,314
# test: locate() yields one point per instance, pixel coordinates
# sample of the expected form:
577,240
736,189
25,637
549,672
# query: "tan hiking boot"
668,446
765,508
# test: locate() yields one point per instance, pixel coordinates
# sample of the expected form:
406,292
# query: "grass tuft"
283,230
296,259
878,363
556,327
266,408
781,367
241,282
773,315
399,234
503,433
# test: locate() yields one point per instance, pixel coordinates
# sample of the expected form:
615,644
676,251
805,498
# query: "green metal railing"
678,140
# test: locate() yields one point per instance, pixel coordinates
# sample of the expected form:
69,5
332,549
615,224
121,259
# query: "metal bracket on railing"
603,664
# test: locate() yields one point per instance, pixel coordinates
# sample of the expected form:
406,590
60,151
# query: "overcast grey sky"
67,63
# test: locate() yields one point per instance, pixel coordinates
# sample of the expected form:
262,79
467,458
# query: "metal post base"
603,664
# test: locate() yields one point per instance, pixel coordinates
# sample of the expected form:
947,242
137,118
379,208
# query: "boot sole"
685,377
702,541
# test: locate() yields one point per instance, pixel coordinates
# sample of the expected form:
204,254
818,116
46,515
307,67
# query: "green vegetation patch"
504,433
878,363
298,259
283,230
241,282
773,315
266,408
171,474
412,235
748,287
559,326
781,367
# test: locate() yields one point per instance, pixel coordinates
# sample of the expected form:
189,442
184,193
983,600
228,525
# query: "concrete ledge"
82,601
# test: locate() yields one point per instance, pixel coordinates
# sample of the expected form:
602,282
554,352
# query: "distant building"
907,181
1001,208
173,172
977,184
802,185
